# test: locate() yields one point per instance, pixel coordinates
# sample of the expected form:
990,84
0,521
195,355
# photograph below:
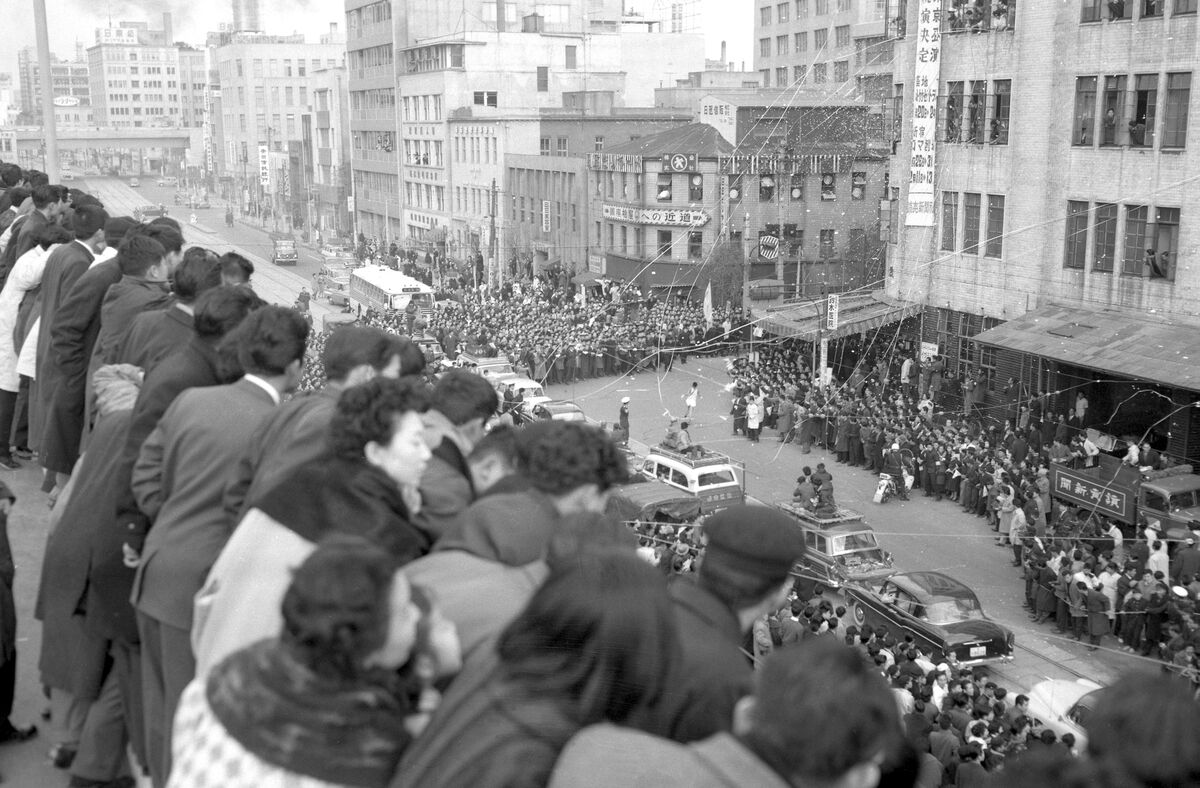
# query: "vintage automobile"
554,410
943,616
840,549
709,475
494,368
145,212
652,501
1064,706
430,347
337,290
533,393
134,183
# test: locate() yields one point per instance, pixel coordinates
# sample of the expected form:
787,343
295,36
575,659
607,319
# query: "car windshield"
1183,500
861,557
950,610
1082,710
570,415
709,478
850,543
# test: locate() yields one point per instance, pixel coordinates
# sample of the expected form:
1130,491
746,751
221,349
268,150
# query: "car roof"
1066,692
930,584
560,405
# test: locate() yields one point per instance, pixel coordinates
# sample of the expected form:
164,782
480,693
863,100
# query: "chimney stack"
723,51
168,29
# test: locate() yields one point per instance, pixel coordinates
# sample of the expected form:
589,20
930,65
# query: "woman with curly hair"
364,484
333,699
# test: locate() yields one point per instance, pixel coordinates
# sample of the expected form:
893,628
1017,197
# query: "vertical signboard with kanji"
926,76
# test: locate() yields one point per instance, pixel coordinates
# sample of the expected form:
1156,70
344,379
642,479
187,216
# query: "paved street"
921,534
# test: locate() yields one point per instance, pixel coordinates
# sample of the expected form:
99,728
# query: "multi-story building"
70,80
329,124
140,77
841,46
1044,213
541,205
265,83
408,76
687,93
804,182
658,206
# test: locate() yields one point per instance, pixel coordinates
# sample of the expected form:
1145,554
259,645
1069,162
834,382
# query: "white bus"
383,289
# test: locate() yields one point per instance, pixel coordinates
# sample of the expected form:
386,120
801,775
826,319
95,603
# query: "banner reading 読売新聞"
920,211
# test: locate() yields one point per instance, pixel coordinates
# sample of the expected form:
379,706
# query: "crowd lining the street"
363,585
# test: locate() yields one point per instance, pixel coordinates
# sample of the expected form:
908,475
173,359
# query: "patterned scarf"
287,715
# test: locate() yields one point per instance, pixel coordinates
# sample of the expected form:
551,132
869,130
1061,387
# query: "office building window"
766,187
971,207
1085,111
781,45
598,143
1164,236
822,7
1001,104
695,187
1113,126
764,47
1136,217
820,38
664,244
1145,103
828,186
827,243
995,226
696,241
543,79
801,9
1090,10
818,73
1175,113
1104,236
664,187
799,74
561,147
781,77
1152,8
764,16
482,98
1184,7
949,220
841,36
801,42
841,71
544,147
765,77
624,239
571,61
781,12
1076,234
858,185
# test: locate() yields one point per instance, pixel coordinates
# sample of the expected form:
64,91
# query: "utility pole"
49,123
746,265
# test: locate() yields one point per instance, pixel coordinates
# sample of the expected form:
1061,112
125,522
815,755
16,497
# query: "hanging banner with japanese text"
920,211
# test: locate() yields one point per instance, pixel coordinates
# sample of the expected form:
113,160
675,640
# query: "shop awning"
651,274
857,313
1122,342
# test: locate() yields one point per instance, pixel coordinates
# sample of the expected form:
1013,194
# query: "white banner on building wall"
921,210
264,166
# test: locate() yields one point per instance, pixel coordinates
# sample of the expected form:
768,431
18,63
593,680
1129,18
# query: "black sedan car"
942,615
554,410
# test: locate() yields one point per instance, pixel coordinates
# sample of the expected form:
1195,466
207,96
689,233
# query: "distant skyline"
77,20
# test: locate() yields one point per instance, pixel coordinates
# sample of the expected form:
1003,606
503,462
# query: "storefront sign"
666,217
921,211
615,162
722,116
1081,489
833,308
264,166
545,216
680,162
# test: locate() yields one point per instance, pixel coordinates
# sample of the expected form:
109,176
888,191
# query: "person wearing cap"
784,734
623,420
744,574
1186,560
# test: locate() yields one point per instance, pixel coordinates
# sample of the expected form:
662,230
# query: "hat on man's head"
749,547
624,400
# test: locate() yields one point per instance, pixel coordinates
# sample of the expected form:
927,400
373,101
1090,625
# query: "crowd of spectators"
1090,576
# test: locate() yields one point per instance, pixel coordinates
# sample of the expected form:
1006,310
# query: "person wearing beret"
744,574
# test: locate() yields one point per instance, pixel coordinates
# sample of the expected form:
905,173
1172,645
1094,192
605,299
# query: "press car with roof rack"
840,549
709,475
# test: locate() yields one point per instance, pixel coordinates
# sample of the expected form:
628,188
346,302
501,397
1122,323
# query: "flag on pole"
708,313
